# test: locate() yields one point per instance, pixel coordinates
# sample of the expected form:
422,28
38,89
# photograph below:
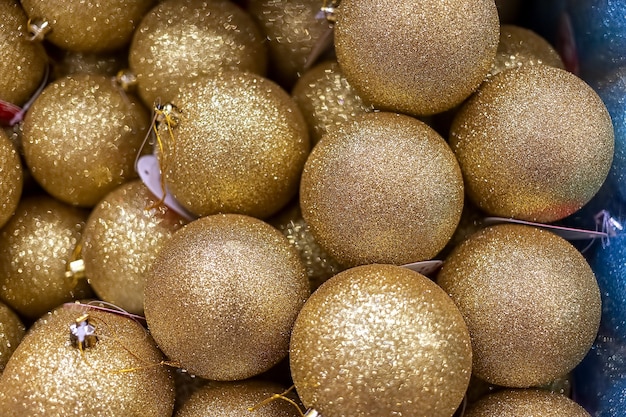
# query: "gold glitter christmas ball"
326,99
11,333
11,178
530,301
380,340
121,239
418,58
179,40
234,399
35,247
93,26
114,370
222,295
534,143
525,403
239,146
81,137
23,62
385,188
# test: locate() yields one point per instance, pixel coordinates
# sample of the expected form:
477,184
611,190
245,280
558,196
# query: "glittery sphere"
535,143
419,58
11,178
326,99
239,147
89,26
180,40
530,301
121,240
35,247
525,403
81,137
380,340
385,188
11,333
119,375
23,63
233,399
222,295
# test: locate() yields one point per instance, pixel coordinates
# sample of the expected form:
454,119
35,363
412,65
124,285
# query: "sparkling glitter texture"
222,296
11,333
380,340
530,301
89,26
525,403
48,376
420,57
385,188
535,143
326,99
81,137
121,240
180,40
11,178
239,148
35,247
23,63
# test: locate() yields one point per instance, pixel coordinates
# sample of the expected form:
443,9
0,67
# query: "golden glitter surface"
180,40
525,403
380,340
121,240
239,147
414,57
222,295
534,143
11,333
119,376
81,137
89,26
23,62
530,301
385,188
326,99
11,178
35,247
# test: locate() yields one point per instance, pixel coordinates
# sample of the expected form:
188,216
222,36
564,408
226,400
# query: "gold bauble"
11,333
121,240
179,40
222,295
119,374
412,57
380,340
534,143
23,62
326,99
530,301
525,403
93,26
385,188
11,178
239,146
81,137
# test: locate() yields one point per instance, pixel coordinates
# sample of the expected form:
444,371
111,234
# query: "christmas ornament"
11,333
416,58
94,26
535,143
122,237
222,295
81,138
179,40
525,403
11,178
380,340
35,247
78,363
530,301
238,146
326,99
385,188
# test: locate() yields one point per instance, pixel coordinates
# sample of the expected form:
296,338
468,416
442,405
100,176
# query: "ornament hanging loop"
38,29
